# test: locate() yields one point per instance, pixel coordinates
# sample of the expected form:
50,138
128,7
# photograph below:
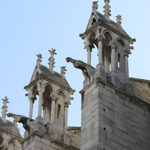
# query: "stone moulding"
41,77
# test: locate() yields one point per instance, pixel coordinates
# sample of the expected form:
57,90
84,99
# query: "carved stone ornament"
86,69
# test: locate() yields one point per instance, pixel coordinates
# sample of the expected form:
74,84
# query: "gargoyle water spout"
87,70
21,119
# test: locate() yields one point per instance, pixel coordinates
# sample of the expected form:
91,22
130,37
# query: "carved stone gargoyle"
21,119
87,70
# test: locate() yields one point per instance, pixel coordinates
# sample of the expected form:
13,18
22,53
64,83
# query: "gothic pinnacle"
39,60
118,18
107,11
63,70
52,59
4,108
95,6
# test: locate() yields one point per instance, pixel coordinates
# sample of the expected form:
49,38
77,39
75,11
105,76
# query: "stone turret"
112,109
10,138
113,45
53,93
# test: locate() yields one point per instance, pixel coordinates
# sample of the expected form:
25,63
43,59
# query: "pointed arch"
61,93
34,90
120,42
108,38
47,102
107,50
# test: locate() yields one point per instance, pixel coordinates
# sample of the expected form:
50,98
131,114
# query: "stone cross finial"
118,18
107,9
39,60
63,70
4,108
95,6
52,59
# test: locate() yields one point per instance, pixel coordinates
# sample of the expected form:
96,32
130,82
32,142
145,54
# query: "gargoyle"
21,119
87,70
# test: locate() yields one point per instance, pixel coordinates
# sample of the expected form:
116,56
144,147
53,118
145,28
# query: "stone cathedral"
115,107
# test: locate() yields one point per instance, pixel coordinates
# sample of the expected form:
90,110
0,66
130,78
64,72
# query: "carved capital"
113,45
54,98
127,52
100,37
67,104
40,87
132,47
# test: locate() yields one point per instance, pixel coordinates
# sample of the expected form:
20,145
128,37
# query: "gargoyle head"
9,115
68,59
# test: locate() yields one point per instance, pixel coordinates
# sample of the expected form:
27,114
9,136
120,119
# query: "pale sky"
29,27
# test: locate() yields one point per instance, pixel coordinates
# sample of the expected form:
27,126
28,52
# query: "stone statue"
87,70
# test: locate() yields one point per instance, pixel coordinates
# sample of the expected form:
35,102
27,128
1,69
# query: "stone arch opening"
61,94
47,104
35,95
120,54
121,43
93,21
107,51
60,104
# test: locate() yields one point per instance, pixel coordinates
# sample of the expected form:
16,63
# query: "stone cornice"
134,98
89,30
40,77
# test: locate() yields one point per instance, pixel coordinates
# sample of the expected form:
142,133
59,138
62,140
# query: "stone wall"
75,134
141,89
113,120
37,141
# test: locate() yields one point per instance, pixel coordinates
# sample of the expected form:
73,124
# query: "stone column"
100,51
116,60
106,64
122,63
126,67
44,115
53,111
89,56
89,49
66,115
41,91
113,59
31,107
48,114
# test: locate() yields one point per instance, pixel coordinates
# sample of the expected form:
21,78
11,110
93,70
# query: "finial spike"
39,60
4,108
52,59
95,6
107,10
63,70
119,18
